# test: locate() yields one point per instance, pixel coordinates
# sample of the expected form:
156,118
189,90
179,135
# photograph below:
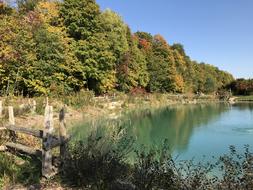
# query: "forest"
242,87
60,47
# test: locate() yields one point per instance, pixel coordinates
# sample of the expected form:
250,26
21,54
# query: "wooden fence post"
12,123
33,107
62,134
11,115
47,168
1,108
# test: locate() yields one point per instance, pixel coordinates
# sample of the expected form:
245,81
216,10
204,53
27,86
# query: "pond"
192,131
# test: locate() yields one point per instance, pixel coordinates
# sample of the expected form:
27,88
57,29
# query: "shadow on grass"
17,170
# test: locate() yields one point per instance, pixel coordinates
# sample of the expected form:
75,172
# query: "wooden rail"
27,131
49,140
23,149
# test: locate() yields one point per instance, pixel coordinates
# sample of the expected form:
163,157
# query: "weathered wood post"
12,123
62,134
1,108
47,168
33,110
11,115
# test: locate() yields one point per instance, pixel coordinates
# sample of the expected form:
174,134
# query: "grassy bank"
244,98
86,106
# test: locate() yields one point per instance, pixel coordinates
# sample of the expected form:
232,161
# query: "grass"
15,170
244,98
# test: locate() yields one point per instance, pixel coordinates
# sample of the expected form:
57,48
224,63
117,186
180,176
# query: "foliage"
25,6
96,165
155,170
16,170
116,32
242,87
60,47
97,161
5,9
79,99
132,71
35,56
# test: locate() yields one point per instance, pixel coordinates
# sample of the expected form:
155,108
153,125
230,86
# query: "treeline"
242,87
65,46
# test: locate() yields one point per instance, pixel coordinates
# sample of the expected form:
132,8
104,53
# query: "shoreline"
101,106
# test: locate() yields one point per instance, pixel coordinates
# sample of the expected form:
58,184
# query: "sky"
218,32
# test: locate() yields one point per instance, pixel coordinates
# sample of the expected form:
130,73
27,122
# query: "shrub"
78,100
16,170
98,161
155,169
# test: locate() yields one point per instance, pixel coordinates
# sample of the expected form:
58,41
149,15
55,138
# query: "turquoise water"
194,131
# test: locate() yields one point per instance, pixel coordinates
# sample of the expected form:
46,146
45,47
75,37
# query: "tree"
241,86
16,52
36,55
132,71
161,67
69,71
116,32
24,6
210,85
99,63
64,46
5,9
81,18
179,48
92,47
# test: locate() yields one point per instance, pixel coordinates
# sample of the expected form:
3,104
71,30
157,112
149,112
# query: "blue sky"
218,32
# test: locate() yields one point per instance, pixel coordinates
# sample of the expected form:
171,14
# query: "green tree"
161,67
36,55
25,6
80,18
132,71
210,85
115,31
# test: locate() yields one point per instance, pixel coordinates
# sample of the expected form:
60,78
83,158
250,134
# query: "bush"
16,170
155,170
97,164
98,161
78,100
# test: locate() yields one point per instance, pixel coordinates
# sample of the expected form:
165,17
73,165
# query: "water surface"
192,131
196,130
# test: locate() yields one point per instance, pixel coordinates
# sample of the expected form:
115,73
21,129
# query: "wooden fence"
48,139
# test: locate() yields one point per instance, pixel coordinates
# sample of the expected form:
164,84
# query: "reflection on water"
244,106
191,130
175,124
196,130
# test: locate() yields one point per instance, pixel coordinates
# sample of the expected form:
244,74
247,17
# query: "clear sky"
218,32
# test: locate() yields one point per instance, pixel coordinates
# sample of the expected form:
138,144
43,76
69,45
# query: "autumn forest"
64,46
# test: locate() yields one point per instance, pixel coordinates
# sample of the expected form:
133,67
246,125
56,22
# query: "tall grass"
14,170
97,160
